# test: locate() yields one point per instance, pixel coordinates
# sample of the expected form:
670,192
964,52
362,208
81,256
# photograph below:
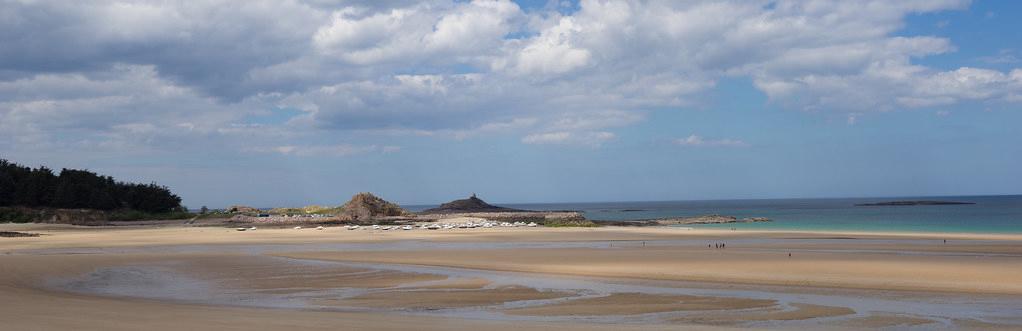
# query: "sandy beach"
610,278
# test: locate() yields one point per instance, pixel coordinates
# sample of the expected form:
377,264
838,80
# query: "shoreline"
286,232
630,277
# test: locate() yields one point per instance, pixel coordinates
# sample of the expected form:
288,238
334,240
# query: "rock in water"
470,205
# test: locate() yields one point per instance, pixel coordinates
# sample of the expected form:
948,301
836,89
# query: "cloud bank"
281,75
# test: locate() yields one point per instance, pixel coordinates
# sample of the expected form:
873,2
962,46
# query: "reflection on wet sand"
265,281
506,281
641,303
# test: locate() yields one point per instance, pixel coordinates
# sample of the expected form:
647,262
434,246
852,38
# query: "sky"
289,103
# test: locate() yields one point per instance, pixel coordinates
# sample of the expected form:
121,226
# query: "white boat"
406,227
241,229
376,227
298,228
319,227
252,228
532,224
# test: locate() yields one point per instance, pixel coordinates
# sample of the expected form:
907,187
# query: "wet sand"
640,303
834,269
143,277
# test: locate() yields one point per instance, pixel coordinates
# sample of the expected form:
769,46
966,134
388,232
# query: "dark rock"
13,234
470,205
364,206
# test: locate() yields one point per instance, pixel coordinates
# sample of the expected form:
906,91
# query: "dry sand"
969,264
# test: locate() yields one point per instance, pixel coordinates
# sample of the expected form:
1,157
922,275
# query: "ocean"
989,214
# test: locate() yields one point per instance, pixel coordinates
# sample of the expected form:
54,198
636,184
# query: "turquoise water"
989,214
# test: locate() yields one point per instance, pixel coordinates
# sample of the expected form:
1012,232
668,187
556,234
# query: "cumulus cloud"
418,33
131,73
696,140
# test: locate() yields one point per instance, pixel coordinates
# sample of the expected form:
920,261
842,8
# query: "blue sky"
291,103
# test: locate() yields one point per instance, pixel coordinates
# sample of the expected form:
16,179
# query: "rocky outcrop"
243,209
471,205
365,206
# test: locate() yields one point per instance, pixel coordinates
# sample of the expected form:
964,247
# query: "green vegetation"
84,216
79,189
14,215
307,210
37,191
206,213
568,222
135,215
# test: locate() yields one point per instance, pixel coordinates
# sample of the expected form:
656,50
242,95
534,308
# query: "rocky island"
472,204
475,207
689,220
914,203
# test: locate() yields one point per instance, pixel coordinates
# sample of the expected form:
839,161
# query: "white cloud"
1004,56
696,140
552,52
200,71
590,139
340,150
417,33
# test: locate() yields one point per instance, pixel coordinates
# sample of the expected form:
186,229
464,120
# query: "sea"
988,214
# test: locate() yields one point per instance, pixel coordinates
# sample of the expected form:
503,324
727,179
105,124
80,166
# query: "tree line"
79,189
